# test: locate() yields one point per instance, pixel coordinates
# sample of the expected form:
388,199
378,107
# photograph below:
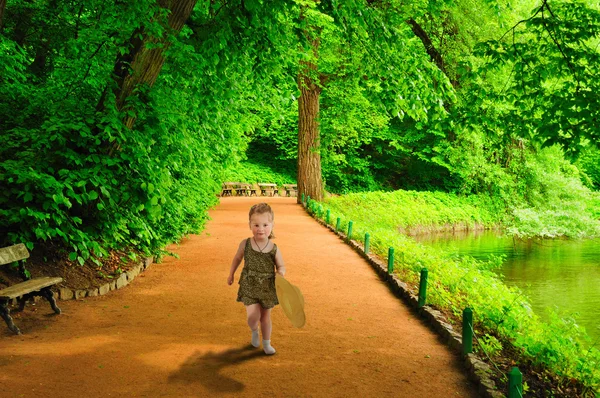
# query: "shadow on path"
206,369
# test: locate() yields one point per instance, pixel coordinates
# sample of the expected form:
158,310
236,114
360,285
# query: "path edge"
65,293
477,370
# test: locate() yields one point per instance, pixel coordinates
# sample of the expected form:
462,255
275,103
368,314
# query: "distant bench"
23,290
291,189
268,189
240,188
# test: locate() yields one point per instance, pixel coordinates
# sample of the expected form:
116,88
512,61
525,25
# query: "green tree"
370,50
144,57
551,94
78,174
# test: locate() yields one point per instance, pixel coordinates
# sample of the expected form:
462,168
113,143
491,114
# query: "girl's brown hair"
262,208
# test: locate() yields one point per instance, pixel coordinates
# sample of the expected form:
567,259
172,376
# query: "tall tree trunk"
142,65
310,182
309,143
2,7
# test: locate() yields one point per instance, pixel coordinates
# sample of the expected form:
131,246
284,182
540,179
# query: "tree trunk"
2,7
309,178
309,146
142,65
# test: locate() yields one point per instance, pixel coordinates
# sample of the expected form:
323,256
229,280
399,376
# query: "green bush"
556,203
73,175
252,173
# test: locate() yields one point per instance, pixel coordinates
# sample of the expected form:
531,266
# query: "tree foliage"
98,154
551,94
85,174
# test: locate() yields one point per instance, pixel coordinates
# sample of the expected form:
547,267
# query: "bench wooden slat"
32,285
13,253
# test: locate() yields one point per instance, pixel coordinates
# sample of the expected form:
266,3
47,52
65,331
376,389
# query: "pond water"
560,274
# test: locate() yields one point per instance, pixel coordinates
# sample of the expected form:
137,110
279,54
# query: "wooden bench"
23,290
240,188
227,188
271,189
291,189
249,190
243,190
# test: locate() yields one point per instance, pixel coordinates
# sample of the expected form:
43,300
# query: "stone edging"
478,371
65,293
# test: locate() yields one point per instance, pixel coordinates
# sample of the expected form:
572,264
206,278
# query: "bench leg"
22,302
48,295
5,314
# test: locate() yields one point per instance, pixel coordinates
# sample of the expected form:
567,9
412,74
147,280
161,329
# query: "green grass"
418,211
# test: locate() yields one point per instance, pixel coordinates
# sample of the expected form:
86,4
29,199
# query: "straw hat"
291,301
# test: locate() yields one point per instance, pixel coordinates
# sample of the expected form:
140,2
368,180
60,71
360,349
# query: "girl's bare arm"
237,260
279,262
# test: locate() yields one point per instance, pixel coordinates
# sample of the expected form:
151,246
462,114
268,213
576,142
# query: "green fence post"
367,242
467,334
390,260
515,383
327,216
423,287
350,230
303,198
337,224
308,202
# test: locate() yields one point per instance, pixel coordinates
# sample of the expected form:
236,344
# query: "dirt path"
177,331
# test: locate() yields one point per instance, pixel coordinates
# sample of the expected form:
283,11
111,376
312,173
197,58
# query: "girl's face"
261,225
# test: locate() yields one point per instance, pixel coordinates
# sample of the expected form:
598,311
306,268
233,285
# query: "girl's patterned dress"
257,281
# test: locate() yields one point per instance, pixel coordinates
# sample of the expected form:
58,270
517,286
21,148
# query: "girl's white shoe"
269,350
255,338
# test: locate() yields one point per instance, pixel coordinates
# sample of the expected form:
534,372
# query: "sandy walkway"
177,331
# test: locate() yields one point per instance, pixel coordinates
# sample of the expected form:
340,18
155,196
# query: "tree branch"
434,54
560,49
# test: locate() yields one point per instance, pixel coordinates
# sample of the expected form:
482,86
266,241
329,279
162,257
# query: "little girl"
257,281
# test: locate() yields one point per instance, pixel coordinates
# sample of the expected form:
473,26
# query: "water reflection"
557,274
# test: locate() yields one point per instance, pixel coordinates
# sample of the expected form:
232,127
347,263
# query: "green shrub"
252,173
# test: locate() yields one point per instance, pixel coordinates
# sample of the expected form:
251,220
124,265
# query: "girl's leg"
265,323
253,313
265,326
